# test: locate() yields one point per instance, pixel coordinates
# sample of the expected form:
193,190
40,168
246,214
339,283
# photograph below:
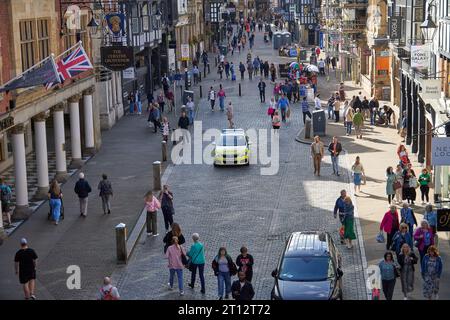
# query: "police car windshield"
227,140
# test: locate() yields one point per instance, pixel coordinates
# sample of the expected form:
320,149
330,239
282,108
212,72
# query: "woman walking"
277,91
398,184
390,224
424,238
389,271
407,259
175,232
245,263
197,257
224,268
230,115
106,193
348,222
400,238
403,155
55,196
166,200
276,121
424,181
221,94
431,273
175,254
358,173
409,184
273,72
390,179
151,206
349,121
161,101
272,107
165,129
358,121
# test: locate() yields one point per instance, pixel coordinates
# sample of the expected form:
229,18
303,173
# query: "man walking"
262,90
305,110
374,105
242,289
335,148
183,124
190,107
242,70
82,189
106,193
25,262
317,153
283,105
212,98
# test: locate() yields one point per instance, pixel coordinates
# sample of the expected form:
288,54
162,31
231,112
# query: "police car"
232,148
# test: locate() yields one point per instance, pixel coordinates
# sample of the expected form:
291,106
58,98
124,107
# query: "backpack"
107,295
105,188
5,194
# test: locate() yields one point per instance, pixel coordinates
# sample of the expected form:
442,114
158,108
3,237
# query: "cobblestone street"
233,207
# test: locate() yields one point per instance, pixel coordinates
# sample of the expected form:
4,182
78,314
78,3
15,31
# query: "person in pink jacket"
424,238
151,206
174,254
390,224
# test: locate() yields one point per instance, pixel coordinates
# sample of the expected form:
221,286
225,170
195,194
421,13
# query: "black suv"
309,269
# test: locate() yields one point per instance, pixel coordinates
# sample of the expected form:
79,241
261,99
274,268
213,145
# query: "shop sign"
6,123
117,58
395,28
443,219
128,73
185,52
431,89
172,59
384,53
420,56
440,151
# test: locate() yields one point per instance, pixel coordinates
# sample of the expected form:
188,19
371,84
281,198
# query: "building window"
34,41
27,45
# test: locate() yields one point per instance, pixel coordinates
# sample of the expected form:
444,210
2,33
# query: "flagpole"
70,49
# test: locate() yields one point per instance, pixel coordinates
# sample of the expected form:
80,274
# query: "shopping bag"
375,294
380,237
341,232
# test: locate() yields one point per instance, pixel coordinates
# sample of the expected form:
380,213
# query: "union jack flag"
75,63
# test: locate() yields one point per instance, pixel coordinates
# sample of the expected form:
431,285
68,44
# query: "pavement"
236,206
378,150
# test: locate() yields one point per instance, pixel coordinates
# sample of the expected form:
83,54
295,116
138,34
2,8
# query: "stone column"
40,142
21,211
60,143
88,121
75,139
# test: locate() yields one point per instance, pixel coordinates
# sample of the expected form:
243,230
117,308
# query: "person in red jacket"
390,224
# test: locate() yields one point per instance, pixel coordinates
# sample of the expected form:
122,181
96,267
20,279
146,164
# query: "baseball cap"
23,241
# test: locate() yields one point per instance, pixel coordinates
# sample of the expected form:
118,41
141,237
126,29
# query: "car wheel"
215,165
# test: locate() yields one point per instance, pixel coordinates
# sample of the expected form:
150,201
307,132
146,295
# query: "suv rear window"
232,140
306,269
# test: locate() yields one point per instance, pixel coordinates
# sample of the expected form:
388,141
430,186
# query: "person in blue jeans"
283,105
335,148
224,268
55,195
408,217
197,255
388,270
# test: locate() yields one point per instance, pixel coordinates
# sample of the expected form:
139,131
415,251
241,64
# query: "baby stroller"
49,215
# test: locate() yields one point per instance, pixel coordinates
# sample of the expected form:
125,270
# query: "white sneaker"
155,235
149,234
181,293
169,287
405,298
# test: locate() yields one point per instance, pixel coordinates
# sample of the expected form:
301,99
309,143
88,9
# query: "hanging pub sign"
430,88
440,151
420,56
116,23
117,58
443,219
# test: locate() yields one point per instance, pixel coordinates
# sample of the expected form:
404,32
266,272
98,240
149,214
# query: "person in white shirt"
321,65
212,98
317,102
190,110
108,291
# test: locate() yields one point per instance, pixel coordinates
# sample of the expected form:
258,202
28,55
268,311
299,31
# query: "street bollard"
121,243
308,129
164,150
204,73
201,91
200,77
181,94
240,90
157,175
215,61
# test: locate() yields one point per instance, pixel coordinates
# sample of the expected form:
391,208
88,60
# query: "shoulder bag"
189,264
